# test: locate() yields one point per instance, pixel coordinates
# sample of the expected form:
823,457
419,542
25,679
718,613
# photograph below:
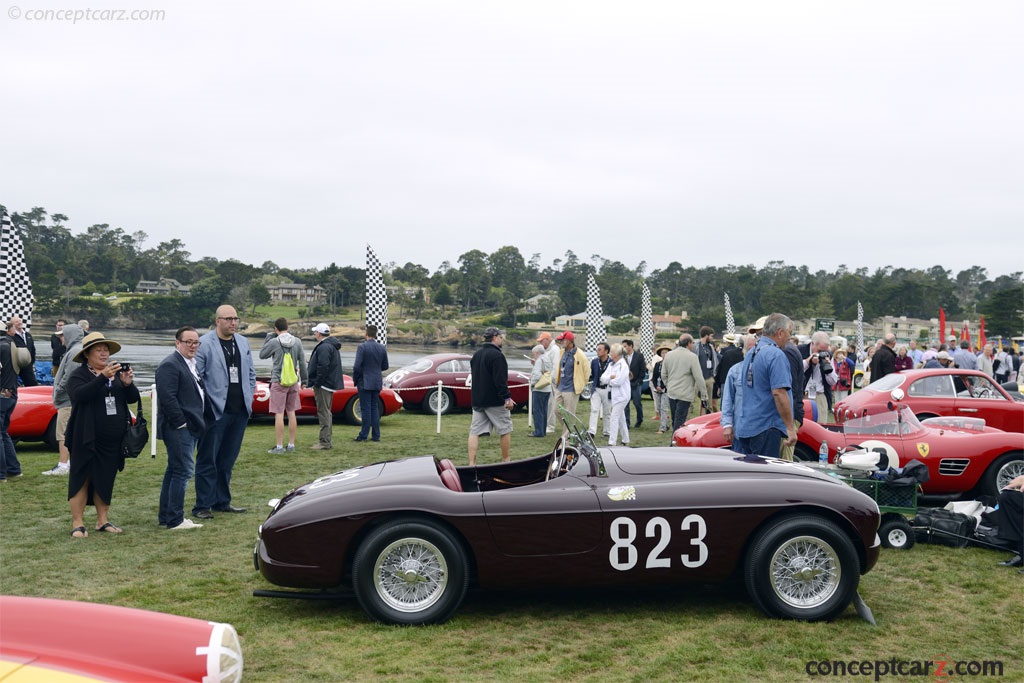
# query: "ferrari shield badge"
922,450
622,493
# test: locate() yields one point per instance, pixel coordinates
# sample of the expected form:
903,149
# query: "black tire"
896,532
430,401
435,579
1000,472
812,547
353,415
50,439
803,453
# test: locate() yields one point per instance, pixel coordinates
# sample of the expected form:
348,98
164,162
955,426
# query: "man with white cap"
324,372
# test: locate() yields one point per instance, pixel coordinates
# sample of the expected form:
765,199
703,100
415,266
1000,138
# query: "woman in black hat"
100,390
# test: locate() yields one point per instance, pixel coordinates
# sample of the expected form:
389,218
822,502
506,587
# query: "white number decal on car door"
623,534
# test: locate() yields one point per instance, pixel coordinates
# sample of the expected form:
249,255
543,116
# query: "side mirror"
897,395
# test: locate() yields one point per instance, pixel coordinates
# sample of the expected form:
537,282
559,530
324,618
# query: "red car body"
945,392
344,402
417,383
962,454
35,418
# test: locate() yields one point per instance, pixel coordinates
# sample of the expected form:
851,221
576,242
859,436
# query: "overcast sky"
817,133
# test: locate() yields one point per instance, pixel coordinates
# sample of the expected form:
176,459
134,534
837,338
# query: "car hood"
659,461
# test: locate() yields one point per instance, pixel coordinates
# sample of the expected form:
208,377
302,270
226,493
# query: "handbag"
544,382
136,436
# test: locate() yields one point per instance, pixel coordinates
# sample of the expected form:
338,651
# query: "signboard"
825,324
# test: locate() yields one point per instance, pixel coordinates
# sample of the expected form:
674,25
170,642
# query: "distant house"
578,321
297,293
410,292
165,285
534,303
666,323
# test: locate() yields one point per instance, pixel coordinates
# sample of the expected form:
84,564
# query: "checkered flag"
15,287
376,296
730,322
646,325
860,327
595,316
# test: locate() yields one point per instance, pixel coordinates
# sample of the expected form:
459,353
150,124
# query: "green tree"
1004,312
475,278
443,296
508,270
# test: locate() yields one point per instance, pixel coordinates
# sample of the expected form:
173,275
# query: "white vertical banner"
376,296
730,321
646,325
595,316
15,287
860,327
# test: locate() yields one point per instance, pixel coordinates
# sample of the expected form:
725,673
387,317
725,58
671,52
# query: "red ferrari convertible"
35,418
962,454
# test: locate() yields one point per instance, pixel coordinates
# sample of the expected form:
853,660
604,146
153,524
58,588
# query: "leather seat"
447,464
450,479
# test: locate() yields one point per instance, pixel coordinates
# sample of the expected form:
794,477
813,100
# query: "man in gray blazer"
225,365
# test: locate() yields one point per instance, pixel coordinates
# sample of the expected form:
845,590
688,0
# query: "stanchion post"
152,432
439,390
529,409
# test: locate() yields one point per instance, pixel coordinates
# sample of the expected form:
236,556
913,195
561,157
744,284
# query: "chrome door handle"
968,410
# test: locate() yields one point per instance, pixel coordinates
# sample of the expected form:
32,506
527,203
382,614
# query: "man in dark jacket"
731,354
368,374
183,413
492,402
324,371
23,339
637,369
796,368
9,465
884,362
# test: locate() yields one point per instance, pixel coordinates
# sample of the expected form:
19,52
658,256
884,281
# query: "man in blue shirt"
767,415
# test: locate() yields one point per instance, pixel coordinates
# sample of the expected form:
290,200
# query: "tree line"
66,269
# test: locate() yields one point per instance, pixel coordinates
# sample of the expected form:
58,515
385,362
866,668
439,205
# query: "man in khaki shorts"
492,402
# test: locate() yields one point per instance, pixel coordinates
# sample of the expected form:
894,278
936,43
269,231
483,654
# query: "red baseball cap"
566,335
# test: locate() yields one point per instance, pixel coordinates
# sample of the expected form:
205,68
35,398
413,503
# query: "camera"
125,367
824,362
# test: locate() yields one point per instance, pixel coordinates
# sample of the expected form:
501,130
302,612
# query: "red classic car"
35,418
939,392
75,642
962,454
344,402
409,536
417,383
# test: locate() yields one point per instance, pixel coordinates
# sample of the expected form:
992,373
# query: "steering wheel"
557,459
985,393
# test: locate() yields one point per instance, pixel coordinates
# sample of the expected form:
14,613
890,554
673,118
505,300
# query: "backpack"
288,375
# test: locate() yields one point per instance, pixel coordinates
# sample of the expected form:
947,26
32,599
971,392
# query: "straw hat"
662,347
20,358
759,325
91,340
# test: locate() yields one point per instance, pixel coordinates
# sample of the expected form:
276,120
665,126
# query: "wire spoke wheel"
410,575
1008,473
805,572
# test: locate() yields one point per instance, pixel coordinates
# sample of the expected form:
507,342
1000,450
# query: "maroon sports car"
417,383
409,536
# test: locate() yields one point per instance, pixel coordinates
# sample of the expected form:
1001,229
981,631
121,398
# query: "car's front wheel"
802,568
435,397
1001,472
410,572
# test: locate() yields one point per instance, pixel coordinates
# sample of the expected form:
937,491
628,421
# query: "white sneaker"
61,469
186,524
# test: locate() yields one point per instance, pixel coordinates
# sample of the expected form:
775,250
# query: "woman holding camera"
100,391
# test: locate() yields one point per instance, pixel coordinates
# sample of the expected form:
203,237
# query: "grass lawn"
930,602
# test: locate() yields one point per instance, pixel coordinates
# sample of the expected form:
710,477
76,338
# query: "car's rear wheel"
1002,470
51,433
434,396
802,568
354,411
410,572
896,532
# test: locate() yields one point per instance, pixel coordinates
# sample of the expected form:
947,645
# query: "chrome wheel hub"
805,572
410,574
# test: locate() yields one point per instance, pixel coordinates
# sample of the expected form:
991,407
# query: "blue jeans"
369,411
540,412
766,443
9,465
181,444
218,450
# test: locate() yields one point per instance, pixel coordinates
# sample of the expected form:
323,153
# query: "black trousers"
1011,519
